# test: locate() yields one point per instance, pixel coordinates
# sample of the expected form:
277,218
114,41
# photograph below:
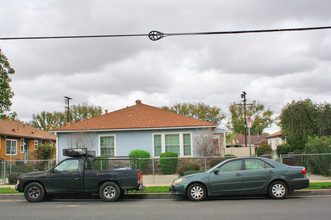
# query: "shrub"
12,178
100,163
168,166
44,152
319,164
229,156
140,154
191,172
263,149
283,149
191,167
215,161
20,168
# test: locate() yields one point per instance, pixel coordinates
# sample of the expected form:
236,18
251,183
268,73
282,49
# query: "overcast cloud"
273,68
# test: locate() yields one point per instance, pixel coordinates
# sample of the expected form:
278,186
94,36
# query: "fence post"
4,174
280,158
153,170
205,164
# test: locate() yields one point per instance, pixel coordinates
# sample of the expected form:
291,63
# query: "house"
256,140
276,139
139,126
18,140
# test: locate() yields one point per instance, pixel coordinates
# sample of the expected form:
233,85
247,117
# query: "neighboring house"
18,141
276,139
136,127
256,140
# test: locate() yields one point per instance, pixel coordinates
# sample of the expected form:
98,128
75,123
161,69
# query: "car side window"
251,164
231,166
68,166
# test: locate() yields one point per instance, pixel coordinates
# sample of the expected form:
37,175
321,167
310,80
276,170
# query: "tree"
261,118
302,119
5,90
205,143
47,120
198,110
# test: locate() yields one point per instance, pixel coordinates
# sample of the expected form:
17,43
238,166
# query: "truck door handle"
77,178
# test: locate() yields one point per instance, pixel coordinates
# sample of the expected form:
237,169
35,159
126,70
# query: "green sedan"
242,176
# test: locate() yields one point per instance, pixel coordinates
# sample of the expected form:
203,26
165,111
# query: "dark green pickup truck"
82,173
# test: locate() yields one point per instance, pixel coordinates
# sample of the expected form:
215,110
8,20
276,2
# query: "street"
307,207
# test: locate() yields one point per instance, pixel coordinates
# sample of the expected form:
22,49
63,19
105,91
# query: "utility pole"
243,96
67,101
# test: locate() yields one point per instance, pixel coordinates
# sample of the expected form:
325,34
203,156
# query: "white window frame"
11,147
22,145
34,144
181,143
99,143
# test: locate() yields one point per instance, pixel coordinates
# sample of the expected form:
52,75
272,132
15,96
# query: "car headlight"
176,181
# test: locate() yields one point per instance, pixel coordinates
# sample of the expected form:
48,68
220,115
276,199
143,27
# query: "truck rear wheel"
34,192
109,192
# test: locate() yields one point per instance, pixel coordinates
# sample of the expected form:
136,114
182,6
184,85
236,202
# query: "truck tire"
109,192
34,192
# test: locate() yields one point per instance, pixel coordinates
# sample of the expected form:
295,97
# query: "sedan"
242,176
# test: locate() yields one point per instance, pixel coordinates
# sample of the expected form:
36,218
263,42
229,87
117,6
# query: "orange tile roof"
277,134
138,116
19,130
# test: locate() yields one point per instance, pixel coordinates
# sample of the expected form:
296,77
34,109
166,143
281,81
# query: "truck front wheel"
34,192
109,192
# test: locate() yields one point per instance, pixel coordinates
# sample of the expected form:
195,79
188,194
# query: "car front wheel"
196,192
278,190
109,192
34,192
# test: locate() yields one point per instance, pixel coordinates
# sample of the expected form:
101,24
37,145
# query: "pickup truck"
83,173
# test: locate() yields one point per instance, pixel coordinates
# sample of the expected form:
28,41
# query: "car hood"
33,175
197,176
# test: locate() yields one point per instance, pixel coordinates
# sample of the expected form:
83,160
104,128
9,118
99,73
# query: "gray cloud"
273,68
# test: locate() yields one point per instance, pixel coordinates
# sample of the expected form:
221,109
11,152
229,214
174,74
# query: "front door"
227,178
65,177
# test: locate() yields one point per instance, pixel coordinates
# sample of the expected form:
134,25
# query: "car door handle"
77,178
238,174
271,171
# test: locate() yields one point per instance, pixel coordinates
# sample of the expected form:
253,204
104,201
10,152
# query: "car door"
66,177
227,178
256,174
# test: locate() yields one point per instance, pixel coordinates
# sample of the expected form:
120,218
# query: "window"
11,147
179,143
22,145
251,164
36,143
231,166
157,145
68,166
172,143
107,146
187,144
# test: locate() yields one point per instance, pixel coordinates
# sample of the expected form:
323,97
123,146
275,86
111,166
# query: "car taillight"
140,177
303,171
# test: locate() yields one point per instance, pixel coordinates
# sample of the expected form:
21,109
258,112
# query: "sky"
273,68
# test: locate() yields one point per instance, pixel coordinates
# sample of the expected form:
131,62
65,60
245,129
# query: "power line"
157,35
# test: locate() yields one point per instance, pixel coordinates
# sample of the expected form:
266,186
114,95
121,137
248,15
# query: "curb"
163,195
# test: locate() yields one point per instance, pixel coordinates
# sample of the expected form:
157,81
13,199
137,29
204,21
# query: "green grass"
153,189
326,185
8,190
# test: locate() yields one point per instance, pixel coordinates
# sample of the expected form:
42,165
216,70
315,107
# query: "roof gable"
139,116
20,130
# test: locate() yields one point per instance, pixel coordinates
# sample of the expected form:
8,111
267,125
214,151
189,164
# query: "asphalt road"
308,207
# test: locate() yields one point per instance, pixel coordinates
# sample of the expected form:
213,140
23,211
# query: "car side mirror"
216,171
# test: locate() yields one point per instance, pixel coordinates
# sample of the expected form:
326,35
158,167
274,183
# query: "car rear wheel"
109,192
196,192
34,192
278,190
